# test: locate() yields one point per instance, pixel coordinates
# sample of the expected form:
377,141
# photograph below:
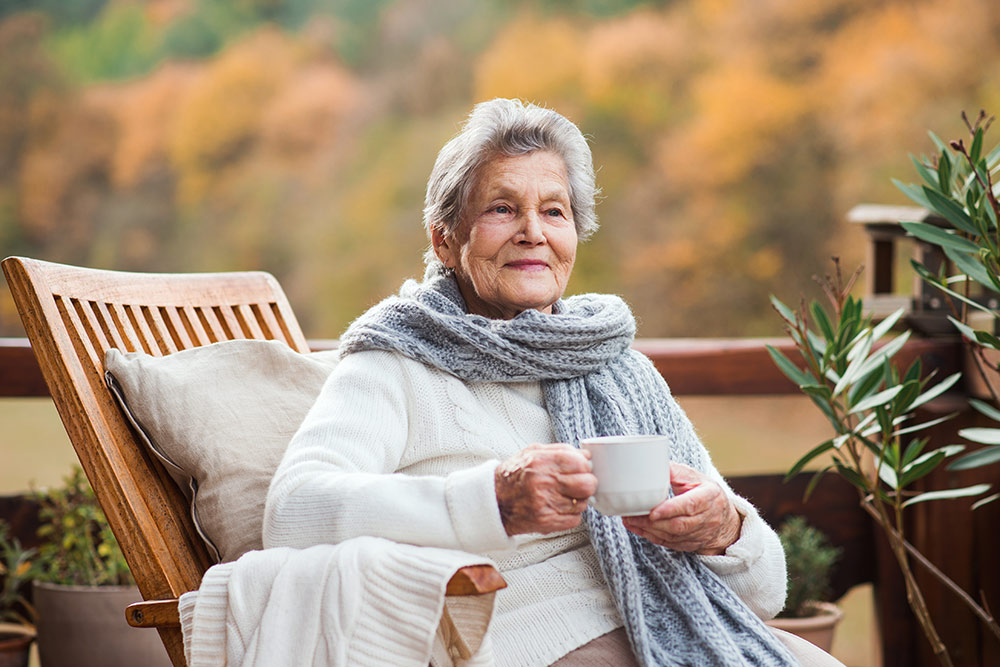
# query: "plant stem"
913,594
979,356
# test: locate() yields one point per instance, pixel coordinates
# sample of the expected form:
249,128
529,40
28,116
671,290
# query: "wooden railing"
963,544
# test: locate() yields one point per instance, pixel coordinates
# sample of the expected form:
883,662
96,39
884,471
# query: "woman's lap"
613,649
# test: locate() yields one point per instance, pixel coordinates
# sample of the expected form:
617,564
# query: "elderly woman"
437,429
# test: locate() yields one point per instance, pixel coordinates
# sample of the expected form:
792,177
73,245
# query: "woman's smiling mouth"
528,264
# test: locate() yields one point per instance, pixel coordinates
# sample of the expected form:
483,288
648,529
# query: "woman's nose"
531,229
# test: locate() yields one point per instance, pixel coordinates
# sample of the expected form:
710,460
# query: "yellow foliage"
533,58
631,65
741,111
303,115
146,111
220,120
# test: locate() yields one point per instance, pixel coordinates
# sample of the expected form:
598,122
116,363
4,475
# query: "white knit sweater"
396,449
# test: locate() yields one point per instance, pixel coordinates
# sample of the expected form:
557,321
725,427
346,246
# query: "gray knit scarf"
676,610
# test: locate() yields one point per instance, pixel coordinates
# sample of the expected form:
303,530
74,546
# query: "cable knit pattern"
676,609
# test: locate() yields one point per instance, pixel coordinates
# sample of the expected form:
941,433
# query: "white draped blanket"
367,601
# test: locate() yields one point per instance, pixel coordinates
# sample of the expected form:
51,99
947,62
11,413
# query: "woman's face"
516,243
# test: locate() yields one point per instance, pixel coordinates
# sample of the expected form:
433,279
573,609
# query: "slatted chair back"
73,316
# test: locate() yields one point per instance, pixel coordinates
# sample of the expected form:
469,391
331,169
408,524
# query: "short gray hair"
511,128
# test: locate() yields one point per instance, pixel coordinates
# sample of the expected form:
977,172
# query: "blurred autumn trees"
296,136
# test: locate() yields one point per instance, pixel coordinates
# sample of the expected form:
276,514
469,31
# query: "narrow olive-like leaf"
791,371
851,476
938,236
930,177
814,481
913,372
856,365
860,345
986,436
977,145
950,211
946,494
878,399
944,172
971,266
938,389
783,310
927,463
820,391
822,321
883,327
913,192
913,449
921,426
985,501
817,344
909,392
864,387
933,279
884,354
985,408
810,455
937,141
986,339
888,475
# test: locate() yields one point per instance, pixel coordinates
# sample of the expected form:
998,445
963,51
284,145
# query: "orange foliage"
536,59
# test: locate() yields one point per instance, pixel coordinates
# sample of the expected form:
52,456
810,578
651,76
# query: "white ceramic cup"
633,472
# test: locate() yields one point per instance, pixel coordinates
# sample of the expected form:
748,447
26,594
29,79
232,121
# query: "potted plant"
83,584
810,559
17,616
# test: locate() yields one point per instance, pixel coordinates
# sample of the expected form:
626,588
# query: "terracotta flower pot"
84,626
818,628
15,644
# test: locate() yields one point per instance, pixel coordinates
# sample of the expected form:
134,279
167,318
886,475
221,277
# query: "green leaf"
791,371
925,464
938,389
857,357
913,449
820,391
865,386
817,344
985,501
945,494
878,399
888,475
944,172
986,436
977,459
852,476
930,177
971,266
813,453
822,321
923,425
817,476
932,279
910,391
985,408
913,372
937,141
913,192
977,146
883,327
940,237
984,338
783,310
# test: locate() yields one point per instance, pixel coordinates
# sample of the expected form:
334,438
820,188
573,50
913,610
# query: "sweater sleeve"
338,478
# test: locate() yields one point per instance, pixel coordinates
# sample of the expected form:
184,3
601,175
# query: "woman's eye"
502,209
555,212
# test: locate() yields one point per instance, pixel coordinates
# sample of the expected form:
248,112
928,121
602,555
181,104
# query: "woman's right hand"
544,488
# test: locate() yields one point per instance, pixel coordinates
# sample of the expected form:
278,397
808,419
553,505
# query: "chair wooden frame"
72,316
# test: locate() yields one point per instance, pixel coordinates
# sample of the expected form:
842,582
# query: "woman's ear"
443,247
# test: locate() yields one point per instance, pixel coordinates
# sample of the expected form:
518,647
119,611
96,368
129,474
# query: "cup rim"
622,439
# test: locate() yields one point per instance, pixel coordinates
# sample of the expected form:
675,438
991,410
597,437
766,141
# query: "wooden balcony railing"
962,543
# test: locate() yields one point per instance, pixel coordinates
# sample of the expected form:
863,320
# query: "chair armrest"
469,580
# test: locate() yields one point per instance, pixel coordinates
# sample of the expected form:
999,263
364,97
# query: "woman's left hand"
700,517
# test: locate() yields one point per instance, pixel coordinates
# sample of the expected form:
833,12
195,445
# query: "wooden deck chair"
72,316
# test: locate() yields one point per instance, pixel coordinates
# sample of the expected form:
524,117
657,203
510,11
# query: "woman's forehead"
541,171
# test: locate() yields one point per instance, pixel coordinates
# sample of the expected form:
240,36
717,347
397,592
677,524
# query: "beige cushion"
220,417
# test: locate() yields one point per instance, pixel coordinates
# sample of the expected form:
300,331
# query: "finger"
684,478
690,503
578,485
